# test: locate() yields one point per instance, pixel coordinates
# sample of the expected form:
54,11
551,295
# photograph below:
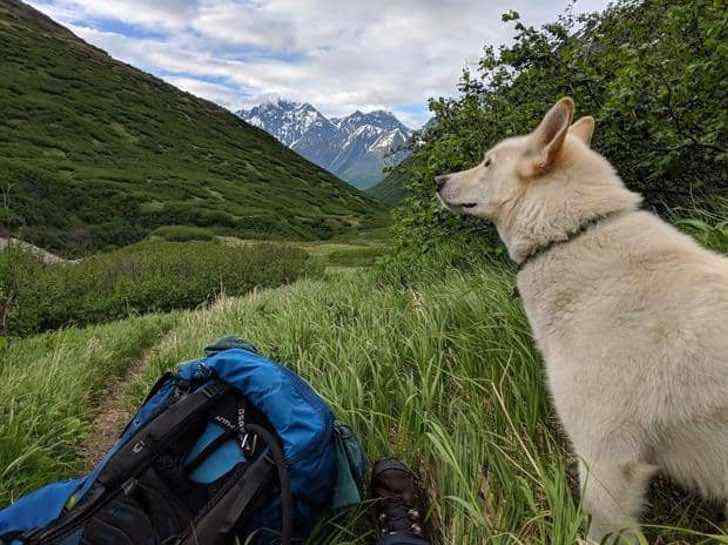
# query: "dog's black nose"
441,181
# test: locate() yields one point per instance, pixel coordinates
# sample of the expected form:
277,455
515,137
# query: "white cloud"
155,14
229,97
338,55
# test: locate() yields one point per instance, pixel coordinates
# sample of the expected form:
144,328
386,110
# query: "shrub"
183,233
648,71
709,227
146,277
362,256
464,251
417,265
4,295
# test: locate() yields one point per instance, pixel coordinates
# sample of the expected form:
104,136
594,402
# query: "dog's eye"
488,161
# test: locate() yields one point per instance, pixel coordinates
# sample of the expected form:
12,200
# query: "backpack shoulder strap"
215,527
134,455
217,524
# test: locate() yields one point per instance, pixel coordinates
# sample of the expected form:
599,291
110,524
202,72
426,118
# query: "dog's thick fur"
631,316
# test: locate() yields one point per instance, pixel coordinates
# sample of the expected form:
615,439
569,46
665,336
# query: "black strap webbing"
285,482
215,527
134,456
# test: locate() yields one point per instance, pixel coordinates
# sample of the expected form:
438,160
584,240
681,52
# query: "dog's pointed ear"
583,129
549,136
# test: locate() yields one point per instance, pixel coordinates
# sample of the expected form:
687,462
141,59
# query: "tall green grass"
49,385
4,296
429,364
443,376
708,226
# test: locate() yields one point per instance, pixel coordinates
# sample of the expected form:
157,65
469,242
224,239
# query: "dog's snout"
440,181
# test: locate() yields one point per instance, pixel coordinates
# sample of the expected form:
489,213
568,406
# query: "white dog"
630,314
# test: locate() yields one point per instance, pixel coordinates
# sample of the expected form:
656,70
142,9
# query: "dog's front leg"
613,491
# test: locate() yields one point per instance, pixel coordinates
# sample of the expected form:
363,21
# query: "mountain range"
356,148
96,154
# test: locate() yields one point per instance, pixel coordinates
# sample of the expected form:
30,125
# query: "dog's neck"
559,208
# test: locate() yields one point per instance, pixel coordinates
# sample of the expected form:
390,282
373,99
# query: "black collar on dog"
583,228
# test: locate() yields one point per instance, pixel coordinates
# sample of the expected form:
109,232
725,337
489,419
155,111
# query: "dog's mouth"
456,207
462,207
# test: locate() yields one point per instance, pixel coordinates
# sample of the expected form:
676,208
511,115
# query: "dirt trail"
111,415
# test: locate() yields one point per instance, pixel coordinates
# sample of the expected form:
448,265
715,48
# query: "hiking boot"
398,504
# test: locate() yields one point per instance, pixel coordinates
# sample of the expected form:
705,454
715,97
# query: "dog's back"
630,314
637,305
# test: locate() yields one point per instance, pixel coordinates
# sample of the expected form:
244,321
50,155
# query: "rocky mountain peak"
355,147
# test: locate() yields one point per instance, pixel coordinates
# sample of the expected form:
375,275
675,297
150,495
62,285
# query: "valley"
95,154
146,222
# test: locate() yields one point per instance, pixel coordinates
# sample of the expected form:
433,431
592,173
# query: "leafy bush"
462,251
147,277
4,295
710,228
355,257
651,74
183,233
422,264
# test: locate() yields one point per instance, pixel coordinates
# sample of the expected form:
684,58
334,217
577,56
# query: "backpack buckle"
247,445
213,390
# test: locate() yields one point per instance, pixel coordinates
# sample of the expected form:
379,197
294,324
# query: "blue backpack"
230,446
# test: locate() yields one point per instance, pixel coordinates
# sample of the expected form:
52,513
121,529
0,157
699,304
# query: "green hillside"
392,190
95,154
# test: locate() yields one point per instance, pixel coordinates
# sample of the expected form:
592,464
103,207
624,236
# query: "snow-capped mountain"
356,147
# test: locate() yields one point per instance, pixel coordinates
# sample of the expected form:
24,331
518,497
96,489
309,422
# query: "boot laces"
396,516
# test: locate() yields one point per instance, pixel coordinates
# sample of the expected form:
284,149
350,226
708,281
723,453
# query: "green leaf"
510,15
695,223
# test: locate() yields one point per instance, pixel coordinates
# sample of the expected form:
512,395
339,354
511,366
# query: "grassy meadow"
49,387
439,370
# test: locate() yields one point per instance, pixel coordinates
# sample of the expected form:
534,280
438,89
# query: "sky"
339,55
